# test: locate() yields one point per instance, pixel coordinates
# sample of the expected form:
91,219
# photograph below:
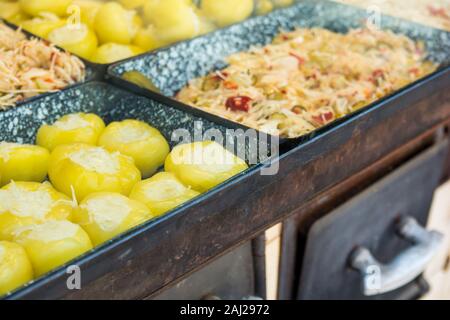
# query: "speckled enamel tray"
171,68
112,104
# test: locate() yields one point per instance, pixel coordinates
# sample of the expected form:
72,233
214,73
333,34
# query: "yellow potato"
226,12
162,193
25,203
19,18
263,6
174,20
52,244
132,4
105,215
206,25
43,25
22,162
78,39
203,165
115,24
15,267
138,140
35,7
9,9
147,39
112,52
282,3
72,128
83,169
87,10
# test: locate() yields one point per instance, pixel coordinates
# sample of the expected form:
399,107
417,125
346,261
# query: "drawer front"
229,277
372,220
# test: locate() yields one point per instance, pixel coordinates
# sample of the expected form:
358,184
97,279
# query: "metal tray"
112,104
93,71
164,252
171,68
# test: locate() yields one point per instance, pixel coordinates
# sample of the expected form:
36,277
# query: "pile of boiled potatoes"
84,183
107,31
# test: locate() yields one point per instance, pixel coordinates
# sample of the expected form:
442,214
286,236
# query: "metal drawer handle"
380,278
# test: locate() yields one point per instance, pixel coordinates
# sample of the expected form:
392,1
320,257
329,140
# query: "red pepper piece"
438,12
414,71
323,118
239,103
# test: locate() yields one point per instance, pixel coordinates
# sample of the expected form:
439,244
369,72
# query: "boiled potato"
225,12
72,128
9,9
282,3
83,169
25,203
206,25
112,52
132,4
106,215
138,140
203,165
148,39
43,25
52,244
139,79
35,7
15,267
115,24
78,39
174,20
22,162
19,18
263,6
162,193
87,10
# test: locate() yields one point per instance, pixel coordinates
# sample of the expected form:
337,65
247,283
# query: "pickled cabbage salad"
31,67
308,78
434,13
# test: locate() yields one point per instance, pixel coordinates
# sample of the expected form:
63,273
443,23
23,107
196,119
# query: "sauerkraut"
30,67
308,78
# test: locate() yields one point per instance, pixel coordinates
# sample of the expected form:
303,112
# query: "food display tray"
112,104
164,251
170,69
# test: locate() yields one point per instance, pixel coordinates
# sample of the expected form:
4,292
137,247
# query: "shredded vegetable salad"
308,78
434,13
30,67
